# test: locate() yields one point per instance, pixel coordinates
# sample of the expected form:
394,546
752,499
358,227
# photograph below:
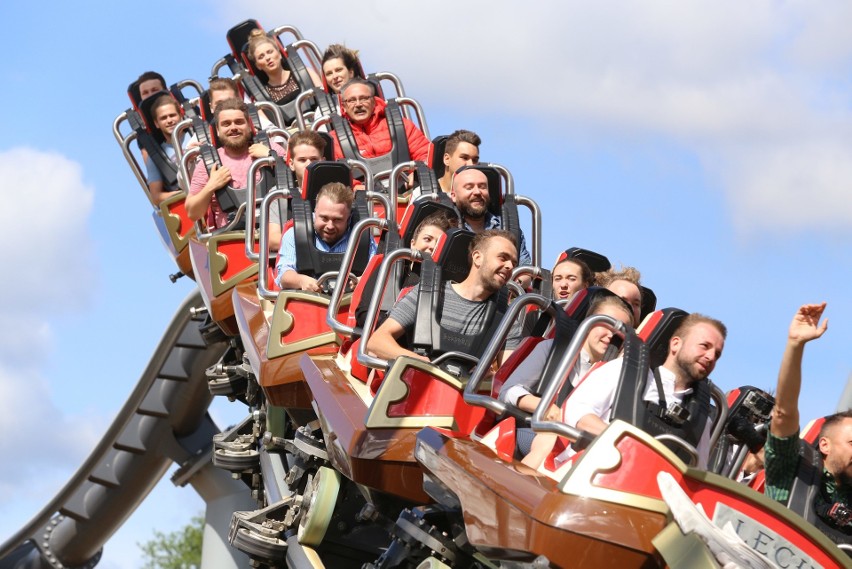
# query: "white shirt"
596,395
529,371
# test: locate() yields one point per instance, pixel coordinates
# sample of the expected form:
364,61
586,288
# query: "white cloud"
48,273
758,91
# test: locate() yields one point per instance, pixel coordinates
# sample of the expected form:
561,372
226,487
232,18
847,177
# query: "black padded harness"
807,496
310,260
399,150
629,404
433,339
230,199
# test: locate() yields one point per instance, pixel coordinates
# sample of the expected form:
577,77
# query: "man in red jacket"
366,114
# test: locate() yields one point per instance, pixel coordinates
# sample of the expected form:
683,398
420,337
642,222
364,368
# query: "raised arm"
804,328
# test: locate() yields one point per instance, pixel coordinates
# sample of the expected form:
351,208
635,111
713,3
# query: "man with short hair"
234,129
149,83
493,256
471,197
788,458
221,89
303,149
332,231
461,149
165,113
694,349
366,115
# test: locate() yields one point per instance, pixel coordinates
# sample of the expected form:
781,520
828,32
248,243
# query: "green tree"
179,549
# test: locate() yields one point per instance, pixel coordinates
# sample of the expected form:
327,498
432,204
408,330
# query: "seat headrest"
417,211
238,36
657,330
595,261
451,254
321,173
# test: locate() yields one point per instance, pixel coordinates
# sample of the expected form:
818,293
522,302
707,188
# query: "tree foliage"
180,549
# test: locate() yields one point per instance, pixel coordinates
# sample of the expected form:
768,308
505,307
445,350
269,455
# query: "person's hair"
440,219
358,81
162,101
309,137
586,274
481,239
687,324
223,84
604,298
337,193
461,135
149,75
257,38
348,56
629,274
832,421
231,105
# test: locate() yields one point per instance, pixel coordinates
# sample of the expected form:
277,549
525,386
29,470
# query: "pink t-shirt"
239,167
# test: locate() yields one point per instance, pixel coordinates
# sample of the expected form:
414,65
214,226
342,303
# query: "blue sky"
706,143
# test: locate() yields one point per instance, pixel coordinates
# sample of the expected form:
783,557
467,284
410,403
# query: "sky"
707,143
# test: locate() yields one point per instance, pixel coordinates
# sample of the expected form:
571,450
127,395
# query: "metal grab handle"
375,302
263,270
566,364
346,267
693,452
251,198
481,371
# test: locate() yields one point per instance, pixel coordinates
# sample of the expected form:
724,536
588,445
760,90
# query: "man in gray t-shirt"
494,255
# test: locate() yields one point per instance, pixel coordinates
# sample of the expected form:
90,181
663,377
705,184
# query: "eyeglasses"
353,100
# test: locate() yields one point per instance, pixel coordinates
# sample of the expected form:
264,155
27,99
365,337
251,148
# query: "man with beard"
366,115
332,229
826,474
234,129
470,195
493,256
694,349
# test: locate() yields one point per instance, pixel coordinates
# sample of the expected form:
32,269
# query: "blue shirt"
287,250
153,173
496,222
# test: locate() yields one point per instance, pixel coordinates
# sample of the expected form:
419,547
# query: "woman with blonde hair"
281,83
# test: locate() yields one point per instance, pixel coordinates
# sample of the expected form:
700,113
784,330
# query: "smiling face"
470,193
567,279
358,102
426,238
234,130
694,355
600,336
166,117
336,74
330,220
494,263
